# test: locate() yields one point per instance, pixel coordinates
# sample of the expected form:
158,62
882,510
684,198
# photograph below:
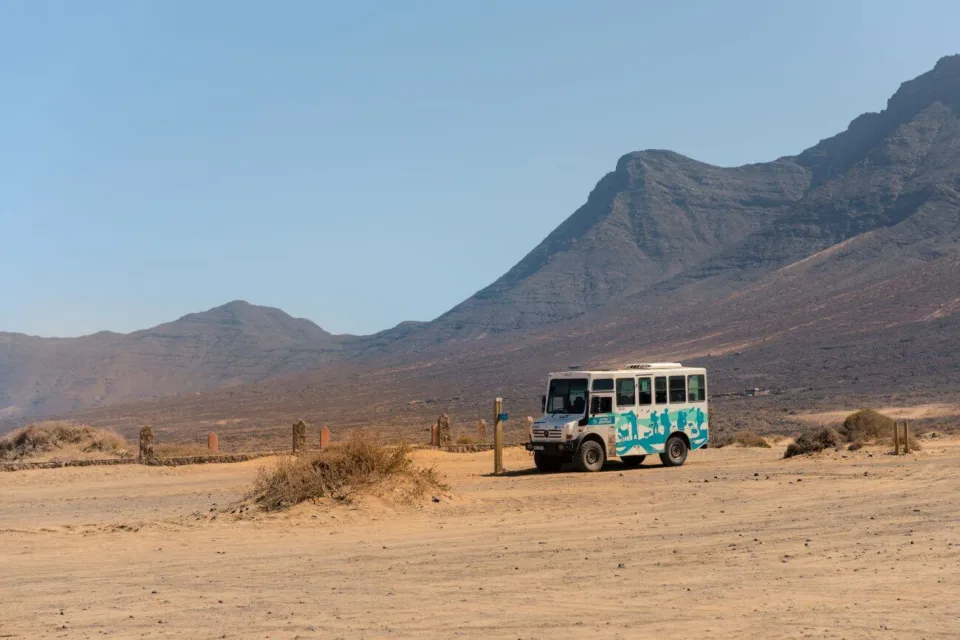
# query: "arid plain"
736,543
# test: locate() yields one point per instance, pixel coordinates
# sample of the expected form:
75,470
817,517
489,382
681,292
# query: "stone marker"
435,435
482,431
324,437
299,435
213,442
146,444
443,430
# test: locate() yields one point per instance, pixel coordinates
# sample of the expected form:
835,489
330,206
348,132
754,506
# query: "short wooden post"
906,438
497,436
213,442
324,438
529,429
482,431
896,438
435,435
146,444
299,435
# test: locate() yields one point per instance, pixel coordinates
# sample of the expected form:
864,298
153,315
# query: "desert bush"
750,439
362,464
814,441
867,425
45,437
466,439
720,439
182,450
855,446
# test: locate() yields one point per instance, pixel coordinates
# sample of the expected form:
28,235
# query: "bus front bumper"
551,448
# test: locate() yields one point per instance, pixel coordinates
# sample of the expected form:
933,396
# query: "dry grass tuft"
183,450
362,465
466,439
867,425
814,441
750,439
54,436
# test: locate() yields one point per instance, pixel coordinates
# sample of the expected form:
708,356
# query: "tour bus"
590,417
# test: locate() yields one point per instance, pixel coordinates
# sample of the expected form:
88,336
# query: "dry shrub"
466,439
814,441
362,464
183,450
721,439
867,425
750,439
46,437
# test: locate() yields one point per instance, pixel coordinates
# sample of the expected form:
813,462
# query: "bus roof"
631,370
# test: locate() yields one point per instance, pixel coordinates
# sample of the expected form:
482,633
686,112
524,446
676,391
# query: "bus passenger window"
643,386
660,385
600,404
626,393
678,389
603,384
698,388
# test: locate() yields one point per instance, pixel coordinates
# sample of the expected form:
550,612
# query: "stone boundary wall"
154,462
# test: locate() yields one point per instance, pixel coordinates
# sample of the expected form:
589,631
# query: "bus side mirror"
543,404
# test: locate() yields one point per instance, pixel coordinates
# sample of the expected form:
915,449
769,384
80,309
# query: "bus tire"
590,456
546,463
632,461
674,452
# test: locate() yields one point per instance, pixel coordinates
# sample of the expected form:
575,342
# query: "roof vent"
655,365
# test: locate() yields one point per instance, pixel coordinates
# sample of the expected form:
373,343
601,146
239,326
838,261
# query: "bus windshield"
567,396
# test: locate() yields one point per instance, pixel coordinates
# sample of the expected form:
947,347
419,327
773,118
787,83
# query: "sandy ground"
736,544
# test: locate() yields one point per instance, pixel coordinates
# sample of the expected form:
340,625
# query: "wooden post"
497,436
482,431
906,438
896,438
529,430
213,443
435,435
324,438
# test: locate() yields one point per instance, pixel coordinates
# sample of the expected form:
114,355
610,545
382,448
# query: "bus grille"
547,433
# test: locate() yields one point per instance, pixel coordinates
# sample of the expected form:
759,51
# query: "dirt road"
736,544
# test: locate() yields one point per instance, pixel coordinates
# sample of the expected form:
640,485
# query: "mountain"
233,344
661,220
832,276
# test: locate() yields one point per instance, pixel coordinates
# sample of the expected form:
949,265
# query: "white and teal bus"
590,417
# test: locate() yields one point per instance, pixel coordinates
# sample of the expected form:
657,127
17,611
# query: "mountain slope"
233,344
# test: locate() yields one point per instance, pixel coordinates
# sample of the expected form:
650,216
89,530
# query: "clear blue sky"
362,163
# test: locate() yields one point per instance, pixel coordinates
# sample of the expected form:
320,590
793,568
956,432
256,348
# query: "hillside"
233,344
831,276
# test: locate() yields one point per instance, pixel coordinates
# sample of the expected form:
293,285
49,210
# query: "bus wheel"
547,463
590,456
632,461
674,453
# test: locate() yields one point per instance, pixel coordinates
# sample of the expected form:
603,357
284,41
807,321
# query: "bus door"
698,411
602,418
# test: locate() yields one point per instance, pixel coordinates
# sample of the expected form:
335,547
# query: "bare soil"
737,543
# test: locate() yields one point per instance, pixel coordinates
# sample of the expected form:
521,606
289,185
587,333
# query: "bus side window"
678,388
698,388
660,385
600,404
626,393
646,395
